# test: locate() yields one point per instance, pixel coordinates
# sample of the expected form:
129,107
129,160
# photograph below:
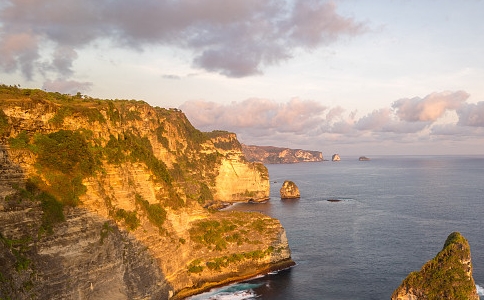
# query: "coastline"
191,291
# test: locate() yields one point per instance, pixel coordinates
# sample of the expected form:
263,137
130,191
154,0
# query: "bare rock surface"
289,190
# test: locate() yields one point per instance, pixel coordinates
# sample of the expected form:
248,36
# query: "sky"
351,77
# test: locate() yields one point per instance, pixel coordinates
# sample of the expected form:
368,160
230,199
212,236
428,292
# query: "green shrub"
205,194
53,212
195,267
113,112
21,141
161,138
65,159
19,249
156,214
105,230
92,114
130,218
3,122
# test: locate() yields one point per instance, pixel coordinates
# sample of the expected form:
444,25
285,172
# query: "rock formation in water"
447,276
363,158
335,157
289,190
103,199
276,155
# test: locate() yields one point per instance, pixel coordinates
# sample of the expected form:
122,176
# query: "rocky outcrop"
335,157
363,158
104,199
276,155
447,276
289,190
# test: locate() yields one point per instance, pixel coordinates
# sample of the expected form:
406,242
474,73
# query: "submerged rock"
447,276
289,190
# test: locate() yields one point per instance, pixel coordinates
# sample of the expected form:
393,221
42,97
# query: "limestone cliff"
447,276
103,199
277,155
289,190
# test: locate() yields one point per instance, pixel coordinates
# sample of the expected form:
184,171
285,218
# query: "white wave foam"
237,291
480,290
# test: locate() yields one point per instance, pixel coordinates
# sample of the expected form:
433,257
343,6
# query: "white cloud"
430,108
305,123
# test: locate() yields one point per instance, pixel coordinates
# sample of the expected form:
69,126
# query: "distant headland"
279,155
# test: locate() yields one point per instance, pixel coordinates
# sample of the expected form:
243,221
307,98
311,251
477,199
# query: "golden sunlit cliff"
114,199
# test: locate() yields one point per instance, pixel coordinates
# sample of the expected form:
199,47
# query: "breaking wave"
480,290
237,291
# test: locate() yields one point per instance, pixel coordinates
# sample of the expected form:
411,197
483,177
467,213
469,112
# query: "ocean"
392,214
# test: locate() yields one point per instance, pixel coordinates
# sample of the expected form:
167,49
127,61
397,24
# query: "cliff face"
276,155
447,276
105,199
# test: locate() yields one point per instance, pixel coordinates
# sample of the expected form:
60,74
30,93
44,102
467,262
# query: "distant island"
278,155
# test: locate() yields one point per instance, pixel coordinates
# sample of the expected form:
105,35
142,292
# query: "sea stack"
289,190
335,157
447,276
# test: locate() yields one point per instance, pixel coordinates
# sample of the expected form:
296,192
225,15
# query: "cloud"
67,86
235,38
314,22
471,114
306,122
171,76
19,51
430,108
257,117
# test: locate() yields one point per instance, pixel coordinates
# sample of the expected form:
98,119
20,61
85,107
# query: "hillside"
113,199
277,155
447,276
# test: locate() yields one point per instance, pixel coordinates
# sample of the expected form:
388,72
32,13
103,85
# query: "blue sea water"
394,215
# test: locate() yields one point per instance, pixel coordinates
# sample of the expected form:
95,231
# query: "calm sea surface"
394,215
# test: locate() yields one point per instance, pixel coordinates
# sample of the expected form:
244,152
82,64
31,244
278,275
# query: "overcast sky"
351,77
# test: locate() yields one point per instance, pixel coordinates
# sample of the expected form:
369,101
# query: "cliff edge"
109,199
447,276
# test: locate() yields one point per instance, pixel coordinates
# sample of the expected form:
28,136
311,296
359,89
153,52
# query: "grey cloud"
62,60
171,76
67,86
235,38
375,120
471,114
430,108
19,51
314,22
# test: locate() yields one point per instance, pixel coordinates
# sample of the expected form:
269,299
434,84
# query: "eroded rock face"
129,220
447,276
289,190
277,155
335,157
